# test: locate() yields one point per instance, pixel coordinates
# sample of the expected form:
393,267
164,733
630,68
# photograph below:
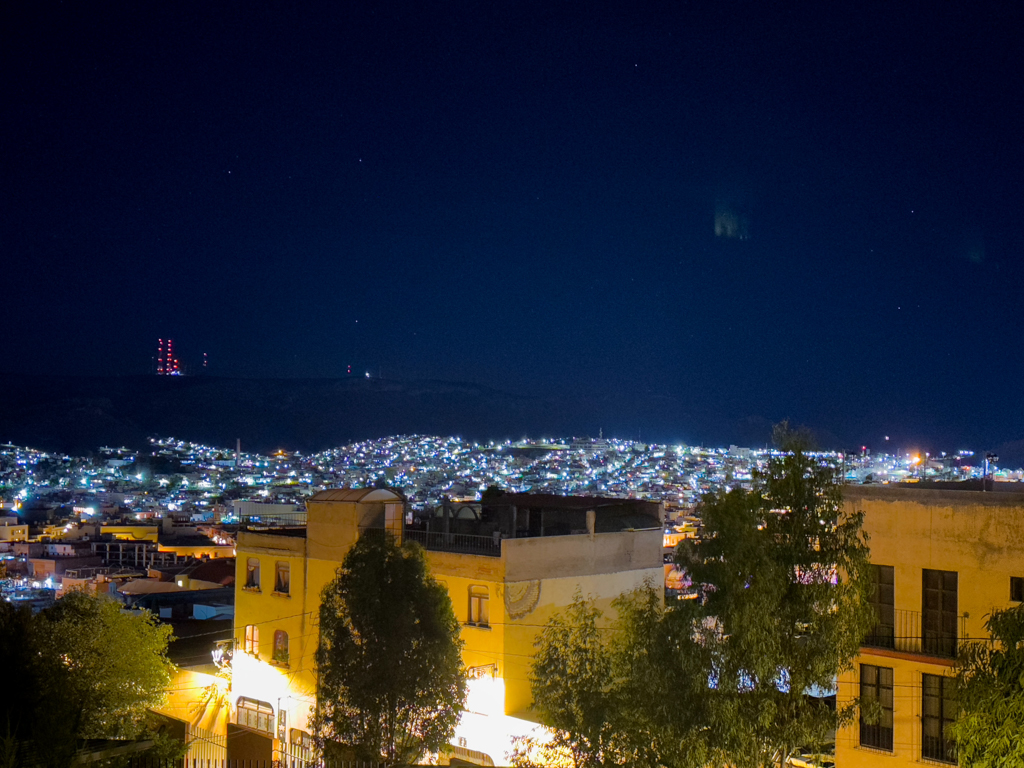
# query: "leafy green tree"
18,708
572,682
390,680
108,666
661,683
782,578
612,695
83,668
989,731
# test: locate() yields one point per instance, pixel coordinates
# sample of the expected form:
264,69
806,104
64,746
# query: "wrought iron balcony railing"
913,632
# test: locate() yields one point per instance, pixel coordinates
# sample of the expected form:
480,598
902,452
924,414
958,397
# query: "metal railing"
908,634
439,541
274,521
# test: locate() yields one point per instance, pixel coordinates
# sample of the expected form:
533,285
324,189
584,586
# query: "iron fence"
274,521
439,541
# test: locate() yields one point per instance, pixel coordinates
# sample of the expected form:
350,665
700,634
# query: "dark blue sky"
525,195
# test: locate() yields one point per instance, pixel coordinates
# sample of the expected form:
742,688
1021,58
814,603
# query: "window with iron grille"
938,710
876,685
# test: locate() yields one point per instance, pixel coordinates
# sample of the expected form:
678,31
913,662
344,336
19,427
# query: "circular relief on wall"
521,597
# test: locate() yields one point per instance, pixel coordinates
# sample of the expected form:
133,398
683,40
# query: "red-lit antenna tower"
171,369
166,363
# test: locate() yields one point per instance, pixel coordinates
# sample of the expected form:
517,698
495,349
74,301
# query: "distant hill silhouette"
78,414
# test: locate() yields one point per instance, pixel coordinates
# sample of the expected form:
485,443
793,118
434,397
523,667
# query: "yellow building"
943,560
508,565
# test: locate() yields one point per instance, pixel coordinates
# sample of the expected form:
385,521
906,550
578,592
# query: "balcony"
278,521
908,634
466,543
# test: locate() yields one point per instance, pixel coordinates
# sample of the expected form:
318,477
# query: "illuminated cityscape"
187,479
526,383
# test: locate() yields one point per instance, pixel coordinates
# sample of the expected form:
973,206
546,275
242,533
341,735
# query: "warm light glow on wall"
485,695
256,679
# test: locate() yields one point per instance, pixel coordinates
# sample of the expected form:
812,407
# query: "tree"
390,682
83,668
782,578
989,730
571,682
612,694
661,683
107,665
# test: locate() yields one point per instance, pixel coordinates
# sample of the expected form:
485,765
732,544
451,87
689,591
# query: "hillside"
77,414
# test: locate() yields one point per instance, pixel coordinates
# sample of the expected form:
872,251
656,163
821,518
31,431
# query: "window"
876,685
281,646
300,739
939,613
1017,589
282,578
252,573
882,599
479,615
938,710
252,639
255,714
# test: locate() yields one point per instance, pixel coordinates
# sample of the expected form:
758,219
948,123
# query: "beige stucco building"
508,567
943,560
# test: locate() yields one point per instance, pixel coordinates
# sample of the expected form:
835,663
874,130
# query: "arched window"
256,714
252,639
479,615
281,646
252,573
282,578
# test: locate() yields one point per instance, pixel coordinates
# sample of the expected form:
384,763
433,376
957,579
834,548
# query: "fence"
439,541
282,762
204,747
274,521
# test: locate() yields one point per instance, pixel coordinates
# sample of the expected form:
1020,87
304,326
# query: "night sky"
805,211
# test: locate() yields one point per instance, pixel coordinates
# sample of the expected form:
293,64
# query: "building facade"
509,565
942,561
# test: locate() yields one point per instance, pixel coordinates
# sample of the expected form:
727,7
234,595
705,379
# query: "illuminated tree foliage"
84,668
571,683
989,731
781,578
612,693
391,683
115,661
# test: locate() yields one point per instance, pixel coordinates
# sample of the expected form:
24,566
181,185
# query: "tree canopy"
781,576
989,730
391,684
572,680
84,668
